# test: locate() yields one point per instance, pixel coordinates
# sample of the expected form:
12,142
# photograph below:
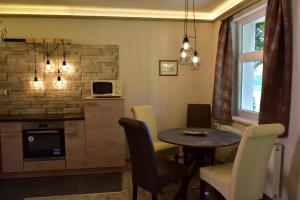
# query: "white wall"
142,45
291,174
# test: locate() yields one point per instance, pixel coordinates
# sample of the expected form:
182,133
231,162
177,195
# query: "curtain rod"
236,9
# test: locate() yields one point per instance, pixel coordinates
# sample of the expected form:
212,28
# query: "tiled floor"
17,189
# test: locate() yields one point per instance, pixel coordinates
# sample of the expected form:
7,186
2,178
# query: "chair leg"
134,192
154,196
176,158
202,189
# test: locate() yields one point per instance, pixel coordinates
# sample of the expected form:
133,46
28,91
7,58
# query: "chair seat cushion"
219,176
169,171
165,149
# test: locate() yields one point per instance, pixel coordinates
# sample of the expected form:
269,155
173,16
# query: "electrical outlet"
3,92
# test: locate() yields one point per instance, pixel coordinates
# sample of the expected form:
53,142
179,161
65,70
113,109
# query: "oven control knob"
30,139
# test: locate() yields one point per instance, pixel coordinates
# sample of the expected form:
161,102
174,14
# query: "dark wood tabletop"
213,138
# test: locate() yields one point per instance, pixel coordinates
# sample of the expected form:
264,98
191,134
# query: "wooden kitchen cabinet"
75,144
11,147
105,140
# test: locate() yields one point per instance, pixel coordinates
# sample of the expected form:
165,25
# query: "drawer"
46,165
74,125
10,127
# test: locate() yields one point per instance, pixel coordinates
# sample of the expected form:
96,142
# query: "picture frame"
168,67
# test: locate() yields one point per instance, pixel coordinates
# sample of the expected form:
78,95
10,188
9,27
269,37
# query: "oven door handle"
42,132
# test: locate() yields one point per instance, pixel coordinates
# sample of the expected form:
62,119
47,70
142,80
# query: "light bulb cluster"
187,55
37,84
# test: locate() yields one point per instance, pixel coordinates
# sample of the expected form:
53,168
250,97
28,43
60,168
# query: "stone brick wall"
87,63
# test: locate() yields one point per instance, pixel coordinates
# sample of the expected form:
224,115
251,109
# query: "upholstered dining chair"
245,177
198,115
149,171
146,114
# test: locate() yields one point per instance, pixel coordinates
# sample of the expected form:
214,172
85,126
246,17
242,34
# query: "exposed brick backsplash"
88,62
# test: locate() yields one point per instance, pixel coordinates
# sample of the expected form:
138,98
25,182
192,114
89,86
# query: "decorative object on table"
195,133
168,68
188,56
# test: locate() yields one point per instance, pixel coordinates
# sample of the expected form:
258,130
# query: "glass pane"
251,77
253,35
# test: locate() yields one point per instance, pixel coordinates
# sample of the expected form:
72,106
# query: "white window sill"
245,121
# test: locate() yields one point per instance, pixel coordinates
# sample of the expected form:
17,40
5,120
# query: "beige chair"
244,178
146,114
227,154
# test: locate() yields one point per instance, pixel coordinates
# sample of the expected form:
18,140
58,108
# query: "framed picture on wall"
168,67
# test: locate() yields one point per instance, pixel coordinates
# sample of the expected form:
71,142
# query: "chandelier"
188,56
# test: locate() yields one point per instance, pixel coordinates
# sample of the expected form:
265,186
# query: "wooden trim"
61,173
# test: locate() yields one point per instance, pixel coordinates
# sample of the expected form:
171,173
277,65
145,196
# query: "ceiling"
162,9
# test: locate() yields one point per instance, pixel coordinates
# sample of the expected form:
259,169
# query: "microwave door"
102,88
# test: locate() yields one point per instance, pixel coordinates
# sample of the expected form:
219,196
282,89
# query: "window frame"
240,19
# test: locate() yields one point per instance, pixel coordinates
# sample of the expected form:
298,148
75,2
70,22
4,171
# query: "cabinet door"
105,143
75,149
12,152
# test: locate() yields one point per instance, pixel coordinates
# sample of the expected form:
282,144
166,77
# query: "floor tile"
99,183
56,186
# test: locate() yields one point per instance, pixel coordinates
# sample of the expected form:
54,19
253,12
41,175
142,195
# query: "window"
250,40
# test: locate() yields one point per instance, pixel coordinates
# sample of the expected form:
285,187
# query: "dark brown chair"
198,115
149,172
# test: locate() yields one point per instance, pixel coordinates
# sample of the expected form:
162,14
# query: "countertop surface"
41,117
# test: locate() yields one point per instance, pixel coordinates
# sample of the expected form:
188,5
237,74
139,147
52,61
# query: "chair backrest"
146,114
250,164
142,155
198,115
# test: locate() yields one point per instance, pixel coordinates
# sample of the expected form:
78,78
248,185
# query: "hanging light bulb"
59,82
186,43
48,67
195,58
64,66
36,84
194,63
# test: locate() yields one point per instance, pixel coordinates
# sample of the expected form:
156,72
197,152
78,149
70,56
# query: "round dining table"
198,144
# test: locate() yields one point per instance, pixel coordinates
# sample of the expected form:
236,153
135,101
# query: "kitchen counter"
41,117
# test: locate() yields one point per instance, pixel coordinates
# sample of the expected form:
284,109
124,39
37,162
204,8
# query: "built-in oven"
43,140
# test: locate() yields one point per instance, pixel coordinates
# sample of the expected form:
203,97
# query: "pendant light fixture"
37,84
48,67
195,60
3,32
59,84
185,48
64,66
188,56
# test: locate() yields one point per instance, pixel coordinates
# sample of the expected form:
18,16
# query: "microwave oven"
106,88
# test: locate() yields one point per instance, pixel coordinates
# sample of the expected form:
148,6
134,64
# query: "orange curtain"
221,105
277,72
